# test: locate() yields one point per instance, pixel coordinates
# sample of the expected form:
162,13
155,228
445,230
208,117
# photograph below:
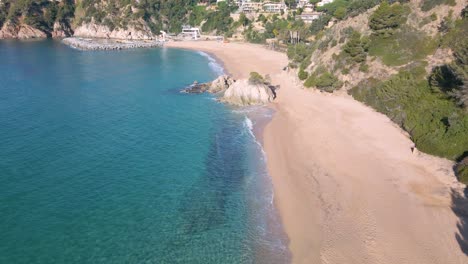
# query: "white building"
190,32
309,17
248,6
324,2
301,3
271,7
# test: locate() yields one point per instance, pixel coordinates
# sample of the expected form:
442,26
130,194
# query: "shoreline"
346,184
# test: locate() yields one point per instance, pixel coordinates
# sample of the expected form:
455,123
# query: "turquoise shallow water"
102,160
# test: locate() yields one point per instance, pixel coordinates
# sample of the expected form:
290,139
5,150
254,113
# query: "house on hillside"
324,2
301,3
271,7
309,17
249,7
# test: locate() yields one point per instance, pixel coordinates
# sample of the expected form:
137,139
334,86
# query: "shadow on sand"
460,208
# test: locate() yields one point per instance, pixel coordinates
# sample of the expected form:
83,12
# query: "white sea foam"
249,125
212,63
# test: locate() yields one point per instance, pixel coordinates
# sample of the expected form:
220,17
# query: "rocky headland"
132,32
20,31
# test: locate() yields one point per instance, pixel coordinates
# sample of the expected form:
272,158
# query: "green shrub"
340,12
256,78
299,52
427,5
319,24
461,170
254,36
324,81
302,75
364,67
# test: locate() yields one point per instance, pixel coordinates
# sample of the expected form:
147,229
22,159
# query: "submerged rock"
197,88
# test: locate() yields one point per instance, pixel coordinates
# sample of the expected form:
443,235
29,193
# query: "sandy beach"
347,185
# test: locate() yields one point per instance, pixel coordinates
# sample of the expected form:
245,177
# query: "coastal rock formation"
220,84
61,30
22,31
243,93
133,32
240,92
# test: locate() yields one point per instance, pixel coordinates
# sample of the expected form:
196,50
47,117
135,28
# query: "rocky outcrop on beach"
220,84
21,31
239,93
132,32
243,93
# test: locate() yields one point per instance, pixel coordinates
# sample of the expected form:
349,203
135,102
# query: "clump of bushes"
299,54
427,5
356,47
302,74
256,78
323,80
461,170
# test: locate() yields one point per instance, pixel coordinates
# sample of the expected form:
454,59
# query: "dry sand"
347,186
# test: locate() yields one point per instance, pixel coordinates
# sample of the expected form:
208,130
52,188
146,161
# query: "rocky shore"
109,44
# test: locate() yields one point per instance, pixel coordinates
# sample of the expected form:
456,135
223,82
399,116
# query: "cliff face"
93,30
61,30
35,19
25,31
22,31
129,19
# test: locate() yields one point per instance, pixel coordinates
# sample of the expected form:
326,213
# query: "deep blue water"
102,160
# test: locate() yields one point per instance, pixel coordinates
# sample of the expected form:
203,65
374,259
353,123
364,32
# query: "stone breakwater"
109,44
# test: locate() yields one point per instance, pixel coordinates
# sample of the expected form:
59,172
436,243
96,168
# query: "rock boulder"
242,93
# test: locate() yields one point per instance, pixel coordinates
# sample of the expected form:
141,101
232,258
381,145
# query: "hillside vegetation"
407,61
40,14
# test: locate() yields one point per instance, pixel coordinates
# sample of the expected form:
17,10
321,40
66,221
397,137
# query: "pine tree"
357,47
387,18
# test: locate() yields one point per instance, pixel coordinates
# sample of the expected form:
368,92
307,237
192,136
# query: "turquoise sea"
103,160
